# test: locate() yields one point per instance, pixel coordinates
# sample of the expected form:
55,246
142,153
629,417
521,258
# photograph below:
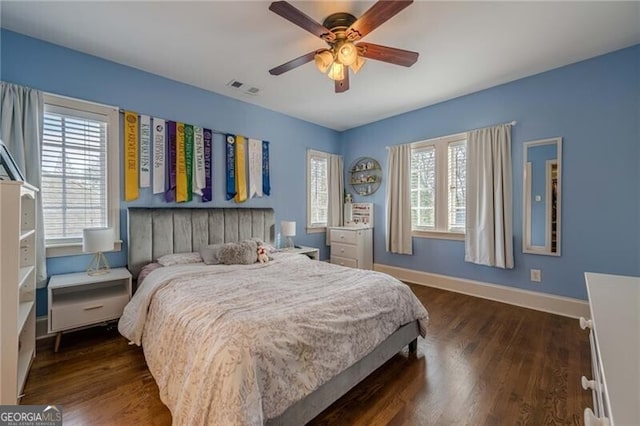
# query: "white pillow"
180,258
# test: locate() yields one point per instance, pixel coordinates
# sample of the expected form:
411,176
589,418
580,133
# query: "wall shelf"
365,176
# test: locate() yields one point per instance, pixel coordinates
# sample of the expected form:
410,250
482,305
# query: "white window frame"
441,228
73,246
314,227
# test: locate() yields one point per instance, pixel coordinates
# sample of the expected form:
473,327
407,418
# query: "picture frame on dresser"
9,170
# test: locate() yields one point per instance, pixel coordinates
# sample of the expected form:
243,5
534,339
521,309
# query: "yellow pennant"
130,156
181,165
241,170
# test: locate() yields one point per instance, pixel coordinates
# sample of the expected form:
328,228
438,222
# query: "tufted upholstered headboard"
154,232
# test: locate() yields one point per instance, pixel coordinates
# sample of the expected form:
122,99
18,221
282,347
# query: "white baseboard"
42,327
565,306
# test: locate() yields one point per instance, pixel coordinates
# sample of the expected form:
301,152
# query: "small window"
317,189
438,186
80,170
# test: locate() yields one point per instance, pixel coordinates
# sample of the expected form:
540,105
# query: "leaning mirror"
542,196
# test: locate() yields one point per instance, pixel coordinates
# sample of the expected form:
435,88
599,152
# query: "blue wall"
594,105
54,69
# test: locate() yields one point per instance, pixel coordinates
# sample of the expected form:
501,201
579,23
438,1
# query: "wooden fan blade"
294,63
343,85
377,15
305,22
392,55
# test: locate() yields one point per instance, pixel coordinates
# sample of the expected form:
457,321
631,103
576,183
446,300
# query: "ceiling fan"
340,31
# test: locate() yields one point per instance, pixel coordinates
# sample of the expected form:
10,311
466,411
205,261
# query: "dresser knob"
588,384
585,323
590,419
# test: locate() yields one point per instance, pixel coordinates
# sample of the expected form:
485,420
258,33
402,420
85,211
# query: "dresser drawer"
341,236
344,250
67,316
343,261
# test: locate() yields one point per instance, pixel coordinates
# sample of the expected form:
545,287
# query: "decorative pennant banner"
145,142
158,155
230,145
207,190
130,156
170,191
266,185
241,170
255,168
181,165
188,155
198,161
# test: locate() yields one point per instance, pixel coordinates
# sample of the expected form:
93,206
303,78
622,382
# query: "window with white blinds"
78,186
317,188
438,185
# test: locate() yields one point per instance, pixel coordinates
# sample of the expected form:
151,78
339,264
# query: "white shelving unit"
17,287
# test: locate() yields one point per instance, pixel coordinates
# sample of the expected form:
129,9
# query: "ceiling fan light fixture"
323,60
357,64
336,72
347,53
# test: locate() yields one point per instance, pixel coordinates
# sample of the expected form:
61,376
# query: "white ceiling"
464,47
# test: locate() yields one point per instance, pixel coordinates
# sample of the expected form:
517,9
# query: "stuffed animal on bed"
262,254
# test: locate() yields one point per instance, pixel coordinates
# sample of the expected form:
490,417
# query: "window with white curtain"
317,188
79,171
438,187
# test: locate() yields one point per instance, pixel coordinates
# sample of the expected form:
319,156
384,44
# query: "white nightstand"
79,300
311,252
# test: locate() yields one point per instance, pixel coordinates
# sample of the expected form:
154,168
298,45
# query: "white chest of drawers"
614,303
352,247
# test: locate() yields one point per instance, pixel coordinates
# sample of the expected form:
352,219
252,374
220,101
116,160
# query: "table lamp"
288,229
97,241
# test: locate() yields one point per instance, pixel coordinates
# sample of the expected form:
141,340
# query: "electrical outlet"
536,276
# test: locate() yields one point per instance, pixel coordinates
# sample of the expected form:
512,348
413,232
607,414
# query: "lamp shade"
96,240
347,53
336,72
323,60
288,228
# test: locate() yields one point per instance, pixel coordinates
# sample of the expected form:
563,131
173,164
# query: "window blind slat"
74,191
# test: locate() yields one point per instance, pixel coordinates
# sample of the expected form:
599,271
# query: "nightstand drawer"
343,261
340,236
344,250
87,312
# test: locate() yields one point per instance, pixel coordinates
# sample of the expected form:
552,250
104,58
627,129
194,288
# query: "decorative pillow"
244,253
146,270
180,258
210,254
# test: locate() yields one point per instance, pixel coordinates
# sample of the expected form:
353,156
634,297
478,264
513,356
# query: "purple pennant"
172,151
207,191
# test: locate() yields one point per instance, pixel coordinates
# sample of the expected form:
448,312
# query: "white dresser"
352,247
614,302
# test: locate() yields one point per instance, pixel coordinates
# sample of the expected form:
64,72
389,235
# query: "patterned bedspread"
237,345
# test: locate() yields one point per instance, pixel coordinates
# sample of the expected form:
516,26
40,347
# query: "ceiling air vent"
252,91
235,84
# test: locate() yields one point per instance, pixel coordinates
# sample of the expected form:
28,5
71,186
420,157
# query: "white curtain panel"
398,232
21,121
489,222
335,173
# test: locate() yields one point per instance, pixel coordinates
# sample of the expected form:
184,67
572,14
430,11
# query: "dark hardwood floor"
482,362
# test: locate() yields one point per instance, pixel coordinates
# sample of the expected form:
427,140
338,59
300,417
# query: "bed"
256,344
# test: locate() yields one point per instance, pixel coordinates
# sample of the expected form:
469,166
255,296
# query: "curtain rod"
511,123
